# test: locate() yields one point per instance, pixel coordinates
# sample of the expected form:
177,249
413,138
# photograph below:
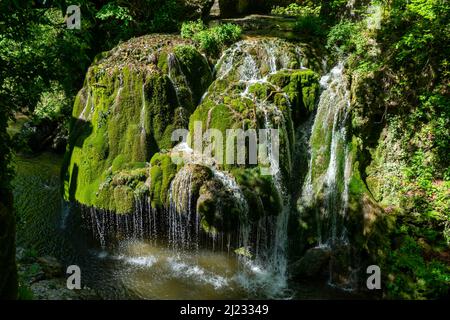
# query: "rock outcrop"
133,98
120,148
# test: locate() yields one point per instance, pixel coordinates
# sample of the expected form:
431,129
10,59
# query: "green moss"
125,113
124,199
161,109
302,88
156,177
162,62
260,192
162,171
196,70
206,226
281,78
261,90
217,116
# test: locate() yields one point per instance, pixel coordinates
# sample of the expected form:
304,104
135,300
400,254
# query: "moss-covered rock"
259,81
315,263
162,171
302,88
260,193
133,98
218,208
259,84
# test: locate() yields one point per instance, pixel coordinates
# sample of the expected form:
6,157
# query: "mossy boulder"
218,209
259,84
133,98
260,193
186,185
302,88
314,264
162,171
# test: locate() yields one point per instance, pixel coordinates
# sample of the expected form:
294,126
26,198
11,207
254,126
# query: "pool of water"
136,269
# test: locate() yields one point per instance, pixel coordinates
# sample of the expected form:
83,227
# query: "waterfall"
326,188
177,77
329,140
143,110
83,115
264,242
108,227
181,219
271,233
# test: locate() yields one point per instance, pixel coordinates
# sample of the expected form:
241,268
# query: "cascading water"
270,259
178,78
326,187
330,126
230,184
108,227
264,258
143,111
183,223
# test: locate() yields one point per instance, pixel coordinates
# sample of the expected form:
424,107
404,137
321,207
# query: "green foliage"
53,104
308,23
119,20
295,10
24,292
412,277
413,92
36,62
211,40
190,28
337,4
114,11
342,36
311,26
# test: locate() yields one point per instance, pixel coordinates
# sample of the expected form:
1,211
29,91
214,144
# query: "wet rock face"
313,264
259,84
133,98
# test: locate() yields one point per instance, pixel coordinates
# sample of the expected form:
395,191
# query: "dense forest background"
404,63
